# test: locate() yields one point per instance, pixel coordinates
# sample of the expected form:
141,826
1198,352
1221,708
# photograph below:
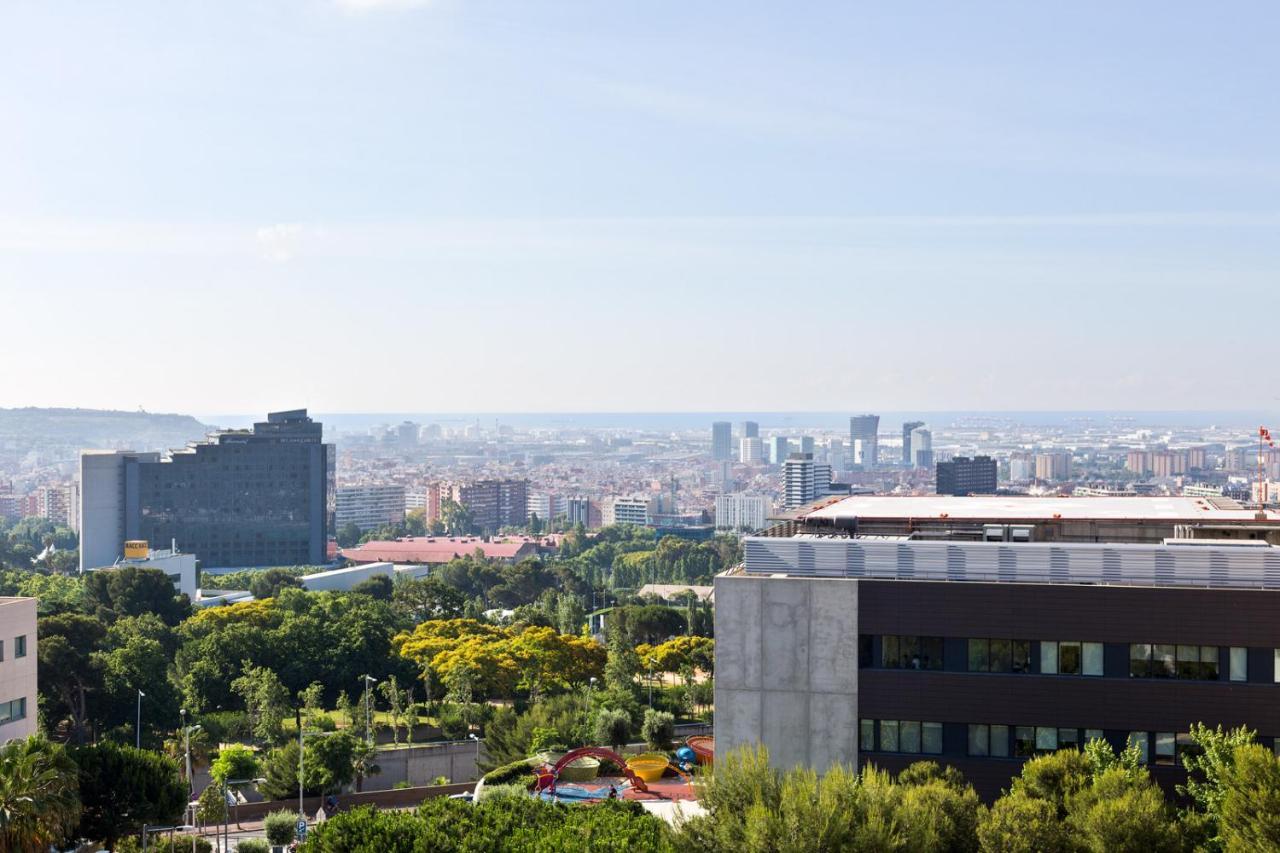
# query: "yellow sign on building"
136,549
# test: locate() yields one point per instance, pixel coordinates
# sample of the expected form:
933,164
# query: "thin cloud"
365,6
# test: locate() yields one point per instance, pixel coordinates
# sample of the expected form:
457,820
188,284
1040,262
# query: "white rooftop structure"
998,508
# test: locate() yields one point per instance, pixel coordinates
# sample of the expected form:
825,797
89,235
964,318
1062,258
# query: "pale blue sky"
458,205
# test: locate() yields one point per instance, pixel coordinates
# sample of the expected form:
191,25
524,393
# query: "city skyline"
632,191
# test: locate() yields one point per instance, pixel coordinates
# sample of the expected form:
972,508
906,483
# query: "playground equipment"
704,747
582,769
550,775
648,767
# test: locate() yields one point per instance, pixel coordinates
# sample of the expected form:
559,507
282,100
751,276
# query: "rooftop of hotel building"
1028,509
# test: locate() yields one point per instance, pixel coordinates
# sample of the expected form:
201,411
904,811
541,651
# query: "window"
1169,661
1139,660
1024,741
931,738
1277,668
1140,740
1070,657
1163,661
1068,738
20,646
1092,658
1046,739
1239,663
1048,657
999,655
1184,744
979,740
1000,741
911,652
867,735
909,736
14,710
1092,734
864,651
1197,662
1166,747
889,735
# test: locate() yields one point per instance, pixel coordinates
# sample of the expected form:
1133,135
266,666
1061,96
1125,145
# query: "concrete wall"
787,668
420,765
101,512
18,674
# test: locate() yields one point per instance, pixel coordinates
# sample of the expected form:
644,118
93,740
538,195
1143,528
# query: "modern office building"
921,447
750,429
629,510
721,440
740,511
864,432
804,481
582,511
835,454
369,506
967,476
493,504
986,644
751,450
806,444
908,451
1054,467
256,497
17,668
546,506
779,449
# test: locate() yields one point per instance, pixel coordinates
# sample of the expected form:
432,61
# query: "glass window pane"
1143,744
1069,658
979,739
1024,741
1093,734
1046,739
1164,663
910,648
1068,738
909,736
978,654
889,652
1000,741
931,653
867,735
864,650
888,735
1000,656
1093,658
1239,663
1048,656
1166,747
1188,661
931,738
1139,660
1185,744
1021,656
1209,663
1277,670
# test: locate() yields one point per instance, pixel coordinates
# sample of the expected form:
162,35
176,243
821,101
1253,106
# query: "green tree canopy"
122,788
39,795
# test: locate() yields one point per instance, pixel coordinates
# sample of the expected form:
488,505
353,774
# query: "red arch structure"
546,778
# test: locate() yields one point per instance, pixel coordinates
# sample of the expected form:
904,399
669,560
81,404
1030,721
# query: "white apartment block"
751,450
633,510
369,507
546,507
742,511
17,668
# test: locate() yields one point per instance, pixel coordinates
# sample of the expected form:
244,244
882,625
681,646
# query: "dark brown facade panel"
1108,614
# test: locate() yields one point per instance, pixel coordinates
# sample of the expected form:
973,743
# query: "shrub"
489,792
440,780
253,845
279,827
324,723
401,785
521,770
453,725
658,729
612,727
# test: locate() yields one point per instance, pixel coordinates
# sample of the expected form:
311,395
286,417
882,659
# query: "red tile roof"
438,549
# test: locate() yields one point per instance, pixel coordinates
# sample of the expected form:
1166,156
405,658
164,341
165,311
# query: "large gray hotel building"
979,631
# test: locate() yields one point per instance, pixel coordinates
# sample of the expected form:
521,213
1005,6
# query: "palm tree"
363,759
39,795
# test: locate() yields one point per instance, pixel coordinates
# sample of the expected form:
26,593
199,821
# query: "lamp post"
650,682
473,736
368,716
137,728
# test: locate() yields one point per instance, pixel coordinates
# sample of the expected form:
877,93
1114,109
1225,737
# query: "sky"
527,206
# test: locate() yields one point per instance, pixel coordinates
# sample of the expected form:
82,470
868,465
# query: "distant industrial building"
908,451
864,438
242,498
18,655
369,507
741,511
722,440
967,476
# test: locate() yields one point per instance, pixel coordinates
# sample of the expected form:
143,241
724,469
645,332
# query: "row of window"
1060,657
911,737
13,710
997,741
19,647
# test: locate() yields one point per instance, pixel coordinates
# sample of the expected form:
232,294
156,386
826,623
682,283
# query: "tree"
380,587
122,788
622,665
348,535
279,828
658,729
39,795
1207,770
428,598
269,583
135,656
612,728
330,764
233,763
1018,823
133,591
265,698
1123,810
456,518
570,614
1249,807
68,670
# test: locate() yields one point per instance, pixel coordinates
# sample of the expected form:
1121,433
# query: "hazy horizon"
459,205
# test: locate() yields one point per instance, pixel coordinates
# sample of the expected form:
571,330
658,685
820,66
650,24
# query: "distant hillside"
58,432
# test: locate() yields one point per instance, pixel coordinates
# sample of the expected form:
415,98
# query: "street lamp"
651,662
226,814
137,728
368,717
473,736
